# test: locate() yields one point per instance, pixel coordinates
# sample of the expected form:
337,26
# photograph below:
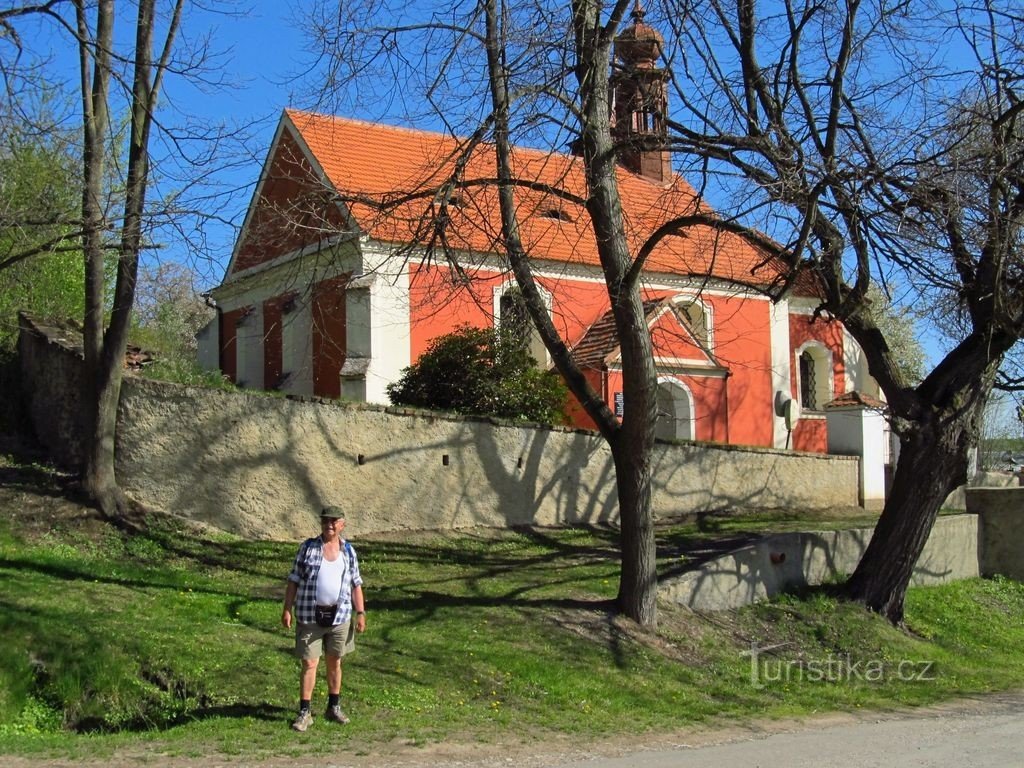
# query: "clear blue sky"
263,52
258,54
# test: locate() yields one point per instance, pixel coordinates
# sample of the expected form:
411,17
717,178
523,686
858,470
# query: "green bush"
479,371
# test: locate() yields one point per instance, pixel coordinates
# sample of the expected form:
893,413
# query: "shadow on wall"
791,561
260,466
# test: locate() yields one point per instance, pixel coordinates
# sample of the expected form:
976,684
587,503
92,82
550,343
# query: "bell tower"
640,100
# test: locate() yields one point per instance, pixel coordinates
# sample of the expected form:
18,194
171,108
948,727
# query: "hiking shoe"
303,721
335,715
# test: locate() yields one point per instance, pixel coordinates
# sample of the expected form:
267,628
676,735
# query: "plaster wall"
857,431
259,466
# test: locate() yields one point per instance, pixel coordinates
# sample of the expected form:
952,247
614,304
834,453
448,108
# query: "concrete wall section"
792,560
1002,535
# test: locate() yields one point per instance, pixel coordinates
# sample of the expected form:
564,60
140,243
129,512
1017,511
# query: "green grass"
169,640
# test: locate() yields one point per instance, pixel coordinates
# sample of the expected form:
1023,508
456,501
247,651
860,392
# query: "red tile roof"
600,340
388,177
857,399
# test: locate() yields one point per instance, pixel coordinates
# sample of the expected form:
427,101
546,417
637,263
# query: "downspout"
728,413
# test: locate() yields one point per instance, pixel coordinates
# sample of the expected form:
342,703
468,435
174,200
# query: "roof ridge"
539,154
291,111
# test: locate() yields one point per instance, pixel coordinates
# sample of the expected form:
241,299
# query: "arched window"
814,364
513,320
808,389
697,316
675,411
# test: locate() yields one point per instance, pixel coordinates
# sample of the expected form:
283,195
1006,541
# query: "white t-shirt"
328,580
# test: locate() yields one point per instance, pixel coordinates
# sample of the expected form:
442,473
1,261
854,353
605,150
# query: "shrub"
479,371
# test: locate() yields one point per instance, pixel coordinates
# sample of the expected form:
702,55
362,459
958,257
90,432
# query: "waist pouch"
325,614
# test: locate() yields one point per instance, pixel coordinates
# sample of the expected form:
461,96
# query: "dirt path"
981,731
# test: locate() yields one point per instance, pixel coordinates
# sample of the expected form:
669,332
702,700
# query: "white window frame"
681,432
684,300
536,346
824,390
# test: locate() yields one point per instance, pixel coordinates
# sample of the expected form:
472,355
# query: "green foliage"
169,312
482,372
184,371
38,199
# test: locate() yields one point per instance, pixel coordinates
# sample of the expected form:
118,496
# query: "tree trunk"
104,351
99,479
632,442
99,401
929,468
638,579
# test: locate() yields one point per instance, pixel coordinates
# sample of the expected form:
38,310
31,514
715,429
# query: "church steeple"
640,100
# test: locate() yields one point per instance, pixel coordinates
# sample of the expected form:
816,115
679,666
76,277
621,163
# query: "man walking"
323,588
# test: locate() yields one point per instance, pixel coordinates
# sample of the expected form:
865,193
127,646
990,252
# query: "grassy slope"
169,639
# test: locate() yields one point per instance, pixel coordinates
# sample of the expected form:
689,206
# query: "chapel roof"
388,178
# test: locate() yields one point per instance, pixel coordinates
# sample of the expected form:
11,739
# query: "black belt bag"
325,614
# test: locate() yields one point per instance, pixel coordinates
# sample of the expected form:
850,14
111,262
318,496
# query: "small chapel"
340,276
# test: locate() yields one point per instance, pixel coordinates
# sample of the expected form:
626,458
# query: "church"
357,250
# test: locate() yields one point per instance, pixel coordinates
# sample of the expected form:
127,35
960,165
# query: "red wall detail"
228,333
329,342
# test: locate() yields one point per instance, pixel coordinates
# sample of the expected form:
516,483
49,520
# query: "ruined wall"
51,369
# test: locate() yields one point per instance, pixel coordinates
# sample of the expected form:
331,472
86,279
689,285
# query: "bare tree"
632,439
117,220
869,158
846,135
528,71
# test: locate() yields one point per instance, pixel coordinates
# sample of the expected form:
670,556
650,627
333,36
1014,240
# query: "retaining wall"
1002,533
789,561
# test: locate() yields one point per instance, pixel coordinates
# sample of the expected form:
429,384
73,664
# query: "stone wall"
258,465
51,369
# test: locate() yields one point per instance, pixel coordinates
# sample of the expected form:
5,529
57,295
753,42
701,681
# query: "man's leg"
333,674
307,682
307,678
334,711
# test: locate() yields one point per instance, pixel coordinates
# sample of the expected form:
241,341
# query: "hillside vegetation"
160,636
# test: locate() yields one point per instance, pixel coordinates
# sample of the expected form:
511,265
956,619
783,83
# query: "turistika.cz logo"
767,669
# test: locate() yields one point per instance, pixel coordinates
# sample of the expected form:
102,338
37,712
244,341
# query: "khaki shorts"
311,640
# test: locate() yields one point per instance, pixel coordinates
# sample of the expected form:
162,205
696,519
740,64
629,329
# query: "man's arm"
359,607
289,602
